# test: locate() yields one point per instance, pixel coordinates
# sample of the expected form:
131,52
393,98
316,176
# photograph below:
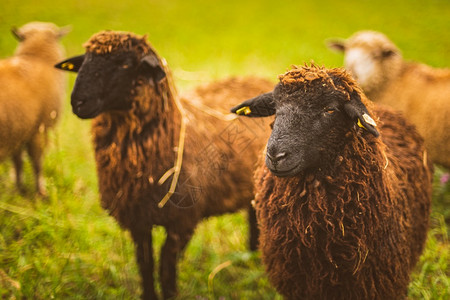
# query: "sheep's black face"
310,127
306,130
105,81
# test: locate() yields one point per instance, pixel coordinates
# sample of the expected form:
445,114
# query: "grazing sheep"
419,91
343,214
138,122
31,95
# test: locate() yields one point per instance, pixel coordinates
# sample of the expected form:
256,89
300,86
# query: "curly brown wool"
135,147
355,227
107,41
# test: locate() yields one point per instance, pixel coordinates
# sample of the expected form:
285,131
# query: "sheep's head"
370,57
39,31
314,110
113,64
40,40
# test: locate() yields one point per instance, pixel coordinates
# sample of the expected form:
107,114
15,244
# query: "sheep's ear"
260,106
337,45
357,111
151,67
17,34
72,64
63,31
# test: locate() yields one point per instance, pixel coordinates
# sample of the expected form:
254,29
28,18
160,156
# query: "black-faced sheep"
343,214
124,86
422,93
31,96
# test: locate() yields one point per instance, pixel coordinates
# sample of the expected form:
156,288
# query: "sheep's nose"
78,102
277,157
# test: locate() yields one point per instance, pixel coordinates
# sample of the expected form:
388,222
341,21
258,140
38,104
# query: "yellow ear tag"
67,66
244,111
361,125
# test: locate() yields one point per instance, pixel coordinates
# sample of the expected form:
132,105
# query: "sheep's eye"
125,66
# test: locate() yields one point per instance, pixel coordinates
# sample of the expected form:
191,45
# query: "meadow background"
67,247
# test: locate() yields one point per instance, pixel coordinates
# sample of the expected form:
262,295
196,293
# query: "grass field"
67,247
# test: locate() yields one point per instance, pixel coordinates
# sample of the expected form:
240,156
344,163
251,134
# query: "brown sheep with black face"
31,96
421,92
126,89
342,204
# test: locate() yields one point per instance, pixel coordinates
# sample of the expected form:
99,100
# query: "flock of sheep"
341,195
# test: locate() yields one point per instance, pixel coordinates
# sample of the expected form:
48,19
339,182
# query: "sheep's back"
423,95
224,152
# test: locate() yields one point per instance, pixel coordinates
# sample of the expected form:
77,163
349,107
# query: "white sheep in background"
422,93
31,95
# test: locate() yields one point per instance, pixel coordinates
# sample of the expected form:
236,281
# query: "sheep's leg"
144,257
173,247
35,151
253,229
18,167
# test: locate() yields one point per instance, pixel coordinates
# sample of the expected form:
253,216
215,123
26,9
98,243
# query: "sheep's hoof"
40,188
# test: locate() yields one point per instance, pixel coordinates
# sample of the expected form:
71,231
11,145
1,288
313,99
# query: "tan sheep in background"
31,96
422,93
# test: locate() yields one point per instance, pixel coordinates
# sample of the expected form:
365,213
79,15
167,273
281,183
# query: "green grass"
67,247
